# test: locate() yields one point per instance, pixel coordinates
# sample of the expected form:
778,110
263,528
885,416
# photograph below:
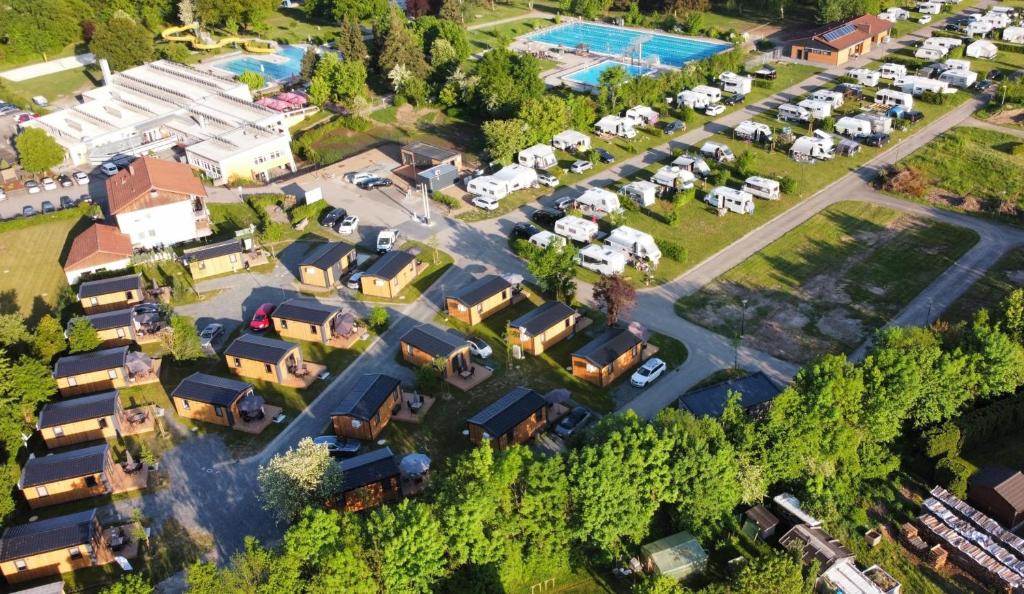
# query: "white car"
348,225
581,166
924,19
80,178
648,372
714,110
486,202
479,348
109,169
49,184
32,186
355,177
547,179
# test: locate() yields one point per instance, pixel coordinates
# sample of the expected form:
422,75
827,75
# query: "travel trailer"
998,20
978,28
762,187
615,126
642,115
753,131
538,156
853,127
596,200
634,243
575,228
544,239
503,182
793,113
894,14
880,123
714,94
918,85
959,65
675,177
571,141
1013,34
961,79
601,259
816,146
831,97
642,192
929,7
894,98
732,200
817,109
694,165
734,83
693,100
946,43
930,53
892,71
717,151
865,76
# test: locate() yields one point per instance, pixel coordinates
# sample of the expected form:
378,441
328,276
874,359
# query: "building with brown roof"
998,492
157,202
98,248
837,43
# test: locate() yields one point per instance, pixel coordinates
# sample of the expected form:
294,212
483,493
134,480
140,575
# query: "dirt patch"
1011,117
839,325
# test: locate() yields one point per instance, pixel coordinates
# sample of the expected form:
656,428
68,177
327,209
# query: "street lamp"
739,338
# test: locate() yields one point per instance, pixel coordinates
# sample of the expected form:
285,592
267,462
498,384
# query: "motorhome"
930,53
816,146
693,100
929,7
753,131
613,125
894,14
642,192
545,238
817,109
596,200
730,199
853,127
571,141
762,187
918,85
503,182
675,177
694,165
538,156
717,151
601,259
642,115
734,83
865,76
575,228
894,98
892,71
880,123
959,65
793,113
714,94
634,243
959,78
831,97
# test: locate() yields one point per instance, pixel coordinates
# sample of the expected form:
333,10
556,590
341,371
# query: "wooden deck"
122,482
306,380
479,376
346,342
152,377
256,427
406,415
146,426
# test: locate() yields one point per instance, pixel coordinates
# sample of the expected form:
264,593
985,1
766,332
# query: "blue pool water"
272,71
617,41
591,74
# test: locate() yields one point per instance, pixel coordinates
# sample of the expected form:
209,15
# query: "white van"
853,127
793,113
575,228
717,151
762,187
730,199
817,109
892,71
601,259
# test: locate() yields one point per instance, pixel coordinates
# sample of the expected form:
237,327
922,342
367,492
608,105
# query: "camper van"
601,259
753,131
762,187
642,115
643,193
717,151
575,228
693,100
734,83
673,176
726,198
817,146
694,165
793,113
544,238
865,76
596,200
817,109
538,156
714,94
894,98
917,85
892,71
502,183
831,97
959,78
634,243
853,127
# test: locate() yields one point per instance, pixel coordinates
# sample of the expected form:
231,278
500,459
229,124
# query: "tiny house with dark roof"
108,294
478,300
213,259
422,155
53,546
370,479
756,391
388,275
114,328
325,265
424,343
211,399
608,356
307,319
543,327
263,358
95,371
67,476
367,406
80,420
998,491
514,419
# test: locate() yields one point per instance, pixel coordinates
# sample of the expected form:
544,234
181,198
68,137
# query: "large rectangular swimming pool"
276,71
644,46
592,74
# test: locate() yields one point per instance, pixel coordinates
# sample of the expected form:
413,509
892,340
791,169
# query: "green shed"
678,556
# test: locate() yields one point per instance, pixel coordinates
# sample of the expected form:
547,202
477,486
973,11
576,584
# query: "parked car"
66,202
146,308
714,110
604,155
876,139
547,179
524,231
912,116
65,181
485,202
546,216
734,99
581,166
48,207
478,347
354,177
339,447
32,186
572,422
108,169
673,127
375,182
261,319
995,74
27,211
648,372
353,280
348,225
331,219
210,334
49,184
565,203
81,178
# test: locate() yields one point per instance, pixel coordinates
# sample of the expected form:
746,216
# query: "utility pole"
426,204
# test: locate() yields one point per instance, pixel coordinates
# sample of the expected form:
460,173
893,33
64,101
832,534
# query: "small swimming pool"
669,50
272,71
592,74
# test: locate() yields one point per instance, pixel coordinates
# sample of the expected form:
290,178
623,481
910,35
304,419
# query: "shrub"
952,473
378,319
449,201
175,52
828,124
671,250
307,211
764,45
677,151
682,197
787,184
1017,149
427,379
943,440
355,123
935,98
745,163
905,180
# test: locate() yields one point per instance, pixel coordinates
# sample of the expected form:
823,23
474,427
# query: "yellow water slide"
253,45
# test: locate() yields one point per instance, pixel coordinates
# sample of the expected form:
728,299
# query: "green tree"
350,41
609,82
589,9
308,64
615,296
378,318
82,336
1012,308
341,81
581,112
505,80
1000,360
37,151
544,117
186,12
407,548
122,42
770,574
657,584
895,374
554,267
453,11
254,80
398,48
304,476
319,90
37,27
175,52
504,138
12,330
184,343
432,29
48,340
129,583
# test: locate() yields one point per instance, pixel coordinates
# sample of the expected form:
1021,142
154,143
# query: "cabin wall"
481,311
418,357
206,412
367,430
259,370
225,264
50,563
372,495
111,301
608,374
303,330
120,336
87,383
79,432
538,343
378,287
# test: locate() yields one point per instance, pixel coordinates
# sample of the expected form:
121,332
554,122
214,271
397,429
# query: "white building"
153,107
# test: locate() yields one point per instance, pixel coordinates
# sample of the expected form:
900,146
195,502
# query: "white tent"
981,49
571,140
1013,34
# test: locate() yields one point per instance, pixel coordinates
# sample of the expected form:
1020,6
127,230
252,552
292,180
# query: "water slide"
253,45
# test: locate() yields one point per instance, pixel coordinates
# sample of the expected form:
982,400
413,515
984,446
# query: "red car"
261,319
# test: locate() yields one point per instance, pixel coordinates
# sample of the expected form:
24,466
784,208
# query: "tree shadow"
9,301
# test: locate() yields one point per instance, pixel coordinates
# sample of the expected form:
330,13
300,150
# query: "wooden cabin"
109,294
53,546
67,476
424,343
263,358
224,257
366,406
114,328
998,492
514,419
370,480
604,359
325,265
95,371
543,327
210,398
480,299
388,275
80,420
307,319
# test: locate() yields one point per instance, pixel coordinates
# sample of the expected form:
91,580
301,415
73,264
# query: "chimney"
153,193
131,170
105,69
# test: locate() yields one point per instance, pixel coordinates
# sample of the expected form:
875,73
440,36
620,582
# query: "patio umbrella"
138,362
558,396
514,279
345,323
251,403
414,464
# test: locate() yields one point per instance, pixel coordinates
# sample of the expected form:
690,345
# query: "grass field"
824,286
291,26
1006,276
57,86
489,37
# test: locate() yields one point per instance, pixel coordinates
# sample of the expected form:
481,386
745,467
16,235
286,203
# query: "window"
202,265
103,423
232,258
185,404
120,332
536,415
90,481
376,418
379,282
461,307
266,367
591,368
504,295
75,553
238,362
58,431
409,349
72,382
42,492
21,565
129,295
284,324
112,373
566,322
312,329
218,410
93,301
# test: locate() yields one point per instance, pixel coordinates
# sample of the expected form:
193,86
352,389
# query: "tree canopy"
38,152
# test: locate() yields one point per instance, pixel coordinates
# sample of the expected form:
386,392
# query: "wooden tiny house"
110,293
325,265
67,476
388,275
307,319
95,371
114,328
366,406
514,419
604,359
53,546
540,328
264,358
424,343
370,480
80,420
210,398
224,257
480,299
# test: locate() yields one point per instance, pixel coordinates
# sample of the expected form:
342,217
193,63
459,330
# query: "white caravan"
734,83
929,7
613,125
538,156
833,98
571,141
817,109
959,78
762,187
892,71
1013,34
853,127
502,183
673,176
930,53
793,113
894,14
694,165
918,85
946,43
978,28
730,199
959,65
894,98
575,228
601,259
714,94
880,123
693,100
642,192
816,146
544,238
866,76
717,151
634,243
596,200
753,131
642,115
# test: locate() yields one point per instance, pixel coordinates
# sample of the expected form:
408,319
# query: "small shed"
475,301
760,523
111,293
438,177
421,154
214,259
324,265
999,492
370,479
367,406
981,49
678,556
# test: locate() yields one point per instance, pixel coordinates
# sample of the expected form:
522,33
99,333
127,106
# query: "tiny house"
389,275
66,476
513,419
214,259
538,156
730,199
110,293
426,343
53,546
263,358
212,399
80,420
540,328
303,318
607,357
366,406
114,328
325,265
95,371
480,299
575,228
369,480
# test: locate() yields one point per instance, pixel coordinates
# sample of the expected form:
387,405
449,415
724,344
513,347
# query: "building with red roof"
837,43
99,247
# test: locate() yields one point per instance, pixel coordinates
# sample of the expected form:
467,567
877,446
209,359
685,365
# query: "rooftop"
327,255
390,264
211,389
106,286
63,466
71,365
509,410
480,289
434,341
815,544
62,412
213,250
119,318
429,151
150,182
1005,482
843,34
305,309
260,348
754,389
232,142
368,468
42,536
543,317
608,346
97,245
365,395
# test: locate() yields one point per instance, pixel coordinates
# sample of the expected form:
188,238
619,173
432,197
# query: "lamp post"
739,338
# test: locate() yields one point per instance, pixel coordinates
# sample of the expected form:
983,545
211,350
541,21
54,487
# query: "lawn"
58,85
826,285
489,37
1003,278
438,262
290,25
230,217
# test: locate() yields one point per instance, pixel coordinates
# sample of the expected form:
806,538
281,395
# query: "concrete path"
51,67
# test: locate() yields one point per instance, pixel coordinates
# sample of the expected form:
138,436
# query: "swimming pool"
272,71
591,74
642,45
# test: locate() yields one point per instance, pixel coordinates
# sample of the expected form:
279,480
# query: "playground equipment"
253,45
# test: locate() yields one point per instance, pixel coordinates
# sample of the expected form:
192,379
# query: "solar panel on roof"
839,32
